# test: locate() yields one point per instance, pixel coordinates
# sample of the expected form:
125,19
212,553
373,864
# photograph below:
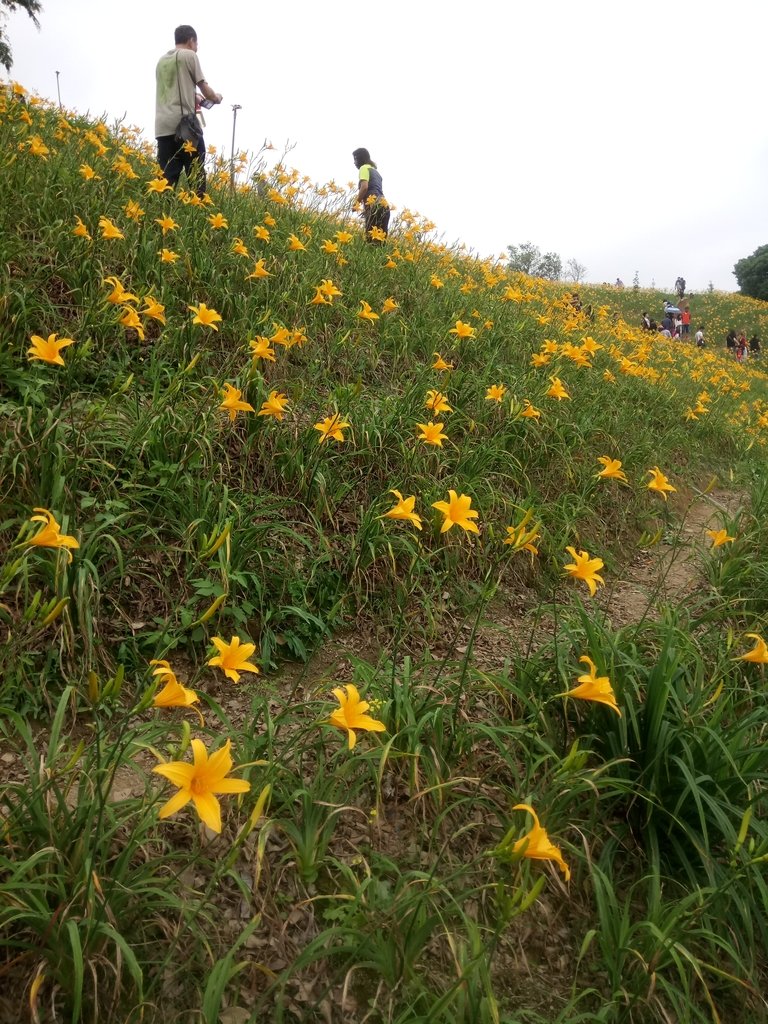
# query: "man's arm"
207,91
196,73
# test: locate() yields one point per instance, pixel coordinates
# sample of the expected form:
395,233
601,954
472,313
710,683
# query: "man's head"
185,36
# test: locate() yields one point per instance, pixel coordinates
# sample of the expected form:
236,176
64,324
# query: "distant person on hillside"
754,345
370,193
730,342
646,322
686,321
699,338
742,350
666,323
619,283
178,73
680,287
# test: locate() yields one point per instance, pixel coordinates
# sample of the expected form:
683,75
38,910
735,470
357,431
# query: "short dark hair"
361,156
183,34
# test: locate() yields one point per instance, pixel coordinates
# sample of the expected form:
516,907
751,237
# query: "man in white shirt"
178,75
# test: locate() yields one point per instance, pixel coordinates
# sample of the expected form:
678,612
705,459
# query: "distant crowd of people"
676,323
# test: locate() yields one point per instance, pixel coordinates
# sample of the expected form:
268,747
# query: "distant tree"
550,266
636,282
752,274
522,257
710,287
575,271
653,282
528,259
32,7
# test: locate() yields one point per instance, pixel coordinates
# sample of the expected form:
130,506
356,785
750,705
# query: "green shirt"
168,110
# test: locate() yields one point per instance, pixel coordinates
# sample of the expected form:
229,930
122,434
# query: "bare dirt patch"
670,571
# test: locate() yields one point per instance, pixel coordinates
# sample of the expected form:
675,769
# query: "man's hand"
210,95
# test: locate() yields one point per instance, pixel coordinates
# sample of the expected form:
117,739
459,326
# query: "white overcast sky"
632,136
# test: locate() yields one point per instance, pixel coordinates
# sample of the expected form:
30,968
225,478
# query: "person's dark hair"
362,156
183,34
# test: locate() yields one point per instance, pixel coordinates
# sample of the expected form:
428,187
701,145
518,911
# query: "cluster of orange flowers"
206,778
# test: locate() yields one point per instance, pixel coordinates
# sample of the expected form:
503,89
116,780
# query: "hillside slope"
232,430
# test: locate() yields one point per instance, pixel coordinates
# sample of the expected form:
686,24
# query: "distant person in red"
370,194
177,76
742,352
686,322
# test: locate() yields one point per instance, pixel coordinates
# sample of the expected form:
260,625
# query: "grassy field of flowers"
320,699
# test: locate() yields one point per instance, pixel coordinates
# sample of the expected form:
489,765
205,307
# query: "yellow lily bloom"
201,782
351,714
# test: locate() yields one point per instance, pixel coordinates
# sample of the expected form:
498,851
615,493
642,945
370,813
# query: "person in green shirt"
370,194
178,77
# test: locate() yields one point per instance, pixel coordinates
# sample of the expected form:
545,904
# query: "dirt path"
663,573
670,572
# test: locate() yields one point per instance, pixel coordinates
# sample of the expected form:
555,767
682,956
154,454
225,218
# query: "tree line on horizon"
527,258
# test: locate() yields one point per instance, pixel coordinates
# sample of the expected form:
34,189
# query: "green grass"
382,883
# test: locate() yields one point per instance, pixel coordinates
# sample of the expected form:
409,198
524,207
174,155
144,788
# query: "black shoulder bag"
188,129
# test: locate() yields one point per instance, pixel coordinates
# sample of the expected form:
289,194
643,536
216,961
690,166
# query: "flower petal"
231,786
177,801
219,763
366,722
178,772
209,809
